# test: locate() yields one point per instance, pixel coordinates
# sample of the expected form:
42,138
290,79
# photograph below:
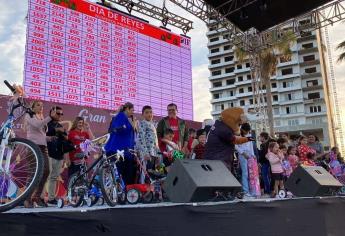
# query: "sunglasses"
59,114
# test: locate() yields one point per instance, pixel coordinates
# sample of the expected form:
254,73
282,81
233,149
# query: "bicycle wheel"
76,190
108,186
23,175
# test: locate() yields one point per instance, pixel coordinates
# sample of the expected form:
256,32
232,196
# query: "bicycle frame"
7,134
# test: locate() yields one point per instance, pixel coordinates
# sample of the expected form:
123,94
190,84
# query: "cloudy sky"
12,45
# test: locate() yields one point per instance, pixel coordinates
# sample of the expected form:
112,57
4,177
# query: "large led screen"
82,53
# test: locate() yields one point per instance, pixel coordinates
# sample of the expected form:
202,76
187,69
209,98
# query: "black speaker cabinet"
311,181
198,180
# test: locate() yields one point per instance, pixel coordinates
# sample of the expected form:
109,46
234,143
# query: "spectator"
314,143
336,167
265,140
199,148
336,151
122,135
167,147
147,143
36,128
286,164
55,137
292,157
177,125
306,153
245,151
79,132
192,136
275,157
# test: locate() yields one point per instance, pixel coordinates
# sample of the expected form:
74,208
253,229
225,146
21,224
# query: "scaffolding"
337,128
159,13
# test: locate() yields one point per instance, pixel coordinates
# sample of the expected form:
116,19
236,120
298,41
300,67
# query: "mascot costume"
223,136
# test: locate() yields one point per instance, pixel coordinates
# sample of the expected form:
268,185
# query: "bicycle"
110,181
21,161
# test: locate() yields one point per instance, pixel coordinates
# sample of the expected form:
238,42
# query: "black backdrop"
292,217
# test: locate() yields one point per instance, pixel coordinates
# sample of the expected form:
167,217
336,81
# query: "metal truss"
161,14
215,16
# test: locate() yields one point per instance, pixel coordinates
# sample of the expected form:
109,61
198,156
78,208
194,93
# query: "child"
199,149
192,136
167,146
147,142
246,152
275,157
286,164
292,157
306,153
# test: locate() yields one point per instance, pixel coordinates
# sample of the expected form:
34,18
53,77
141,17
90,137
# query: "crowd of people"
156,146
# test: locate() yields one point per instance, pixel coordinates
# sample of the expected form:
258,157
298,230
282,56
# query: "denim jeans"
265,173
244,170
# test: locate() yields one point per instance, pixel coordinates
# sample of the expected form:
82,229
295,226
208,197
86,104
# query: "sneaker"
52,202
248,196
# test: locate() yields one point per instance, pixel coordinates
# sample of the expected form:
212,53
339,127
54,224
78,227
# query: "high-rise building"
300,88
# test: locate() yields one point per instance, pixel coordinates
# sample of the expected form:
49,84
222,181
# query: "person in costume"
223,136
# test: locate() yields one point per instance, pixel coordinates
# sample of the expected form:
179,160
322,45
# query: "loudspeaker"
311,181
198,180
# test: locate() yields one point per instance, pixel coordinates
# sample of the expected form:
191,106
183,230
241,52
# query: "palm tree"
341,46
268,60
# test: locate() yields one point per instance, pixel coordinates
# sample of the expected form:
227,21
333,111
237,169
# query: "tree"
267,60
341,46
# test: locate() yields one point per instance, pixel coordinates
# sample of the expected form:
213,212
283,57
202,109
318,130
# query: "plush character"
223,136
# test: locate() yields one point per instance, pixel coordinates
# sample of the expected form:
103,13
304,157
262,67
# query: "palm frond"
240,54
341,46
341,57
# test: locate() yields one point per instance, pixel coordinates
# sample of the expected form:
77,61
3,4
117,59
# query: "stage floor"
266,217
152,205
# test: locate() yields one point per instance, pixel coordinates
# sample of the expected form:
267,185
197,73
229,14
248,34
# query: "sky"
13,37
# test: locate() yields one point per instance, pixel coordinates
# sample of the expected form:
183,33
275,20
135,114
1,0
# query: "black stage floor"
265,217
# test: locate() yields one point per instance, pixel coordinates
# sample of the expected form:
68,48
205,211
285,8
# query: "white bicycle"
21,161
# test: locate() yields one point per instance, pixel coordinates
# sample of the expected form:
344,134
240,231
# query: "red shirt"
174,126
303,152
76,137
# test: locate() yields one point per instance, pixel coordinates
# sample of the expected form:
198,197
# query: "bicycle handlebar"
10,86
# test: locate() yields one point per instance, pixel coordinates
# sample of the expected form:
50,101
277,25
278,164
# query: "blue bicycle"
21,161
105,176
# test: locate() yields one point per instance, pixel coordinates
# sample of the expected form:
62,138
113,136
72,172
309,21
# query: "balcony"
309,88
214,89
311,75
309,114
289,76
308,50
220,41
246,94
214,32
220,53
311,101
310,63
307,38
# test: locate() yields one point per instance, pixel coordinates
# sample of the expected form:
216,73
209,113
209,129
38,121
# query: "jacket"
163,124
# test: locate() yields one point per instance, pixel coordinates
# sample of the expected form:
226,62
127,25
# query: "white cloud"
202,96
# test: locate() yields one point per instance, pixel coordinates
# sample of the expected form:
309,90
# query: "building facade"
300,89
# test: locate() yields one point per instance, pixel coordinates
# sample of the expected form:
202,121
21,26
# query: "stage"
302,216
